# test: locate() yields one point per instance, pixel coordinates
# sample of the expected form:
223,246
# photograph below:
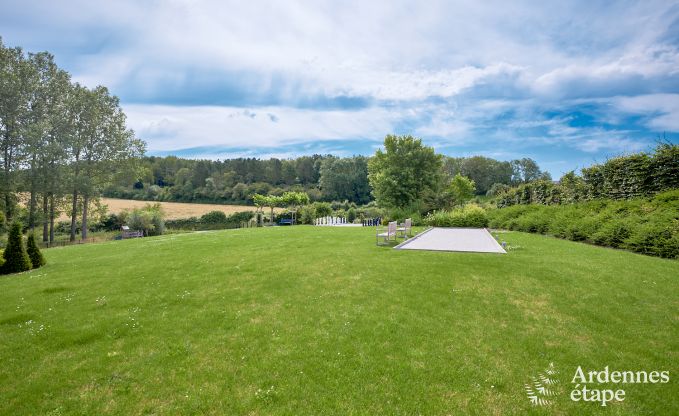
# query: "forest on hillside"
323,177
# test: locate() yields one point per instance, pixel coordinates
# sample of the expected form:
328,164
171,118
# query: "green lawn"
302,320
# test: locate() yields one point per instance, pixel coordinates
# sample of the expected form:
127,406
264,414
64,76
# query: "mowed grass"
303,320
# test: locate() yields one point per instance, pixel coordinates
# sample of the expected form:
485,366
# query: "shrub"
306,215
112,222
648,226
351,215
209,221
213,217
497,189
655,239
148,219
238,217
469,216
16,258
536,221
401,214
614,232
37,259
191,223
322,209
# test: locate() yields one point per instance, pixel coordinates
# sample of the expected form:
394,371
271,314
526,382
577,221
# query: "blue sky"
566,83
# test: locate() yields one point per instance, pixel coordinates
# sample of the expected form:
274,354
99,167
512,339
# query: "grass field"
302,320
173,210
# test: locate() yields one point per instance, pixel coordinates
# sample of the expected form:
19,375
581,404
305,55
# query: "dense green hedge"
623,177
644,225
469,216
215,220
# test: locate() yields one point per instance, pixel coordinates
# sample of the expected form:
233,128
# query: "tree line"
61,143
322,177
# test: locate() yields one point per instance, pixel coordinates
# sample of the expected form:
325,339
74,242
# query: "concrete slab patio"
477,240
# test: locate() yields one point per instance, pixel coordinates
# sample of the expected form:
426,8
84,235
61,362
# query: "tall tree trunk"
8,160
45,218
52,218
33,202
6,167
74,213
86,200
76,177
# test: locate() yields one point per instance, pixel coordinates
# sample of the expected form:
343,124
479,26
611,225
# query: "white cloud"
500,75
178,127
662,109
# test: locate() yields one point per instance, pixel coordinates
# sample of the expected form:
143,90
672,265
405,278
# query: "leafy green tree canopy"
403,172
461,189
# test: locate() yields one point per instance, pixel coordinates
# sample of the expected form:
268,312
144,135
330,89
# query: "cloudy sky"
566,83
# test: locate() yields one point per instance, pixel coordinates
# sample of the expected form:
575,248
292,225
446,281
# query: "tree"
527,170
16,258
461,189
269,201
483,171
402,173
37,259
14,77
497,189
345,179
108,146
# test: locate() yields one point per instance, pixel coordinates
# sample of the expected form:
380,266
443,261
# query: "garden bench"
127,233
286,221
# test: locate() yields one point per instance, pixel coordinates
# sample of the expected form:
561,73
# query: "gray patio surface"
476,240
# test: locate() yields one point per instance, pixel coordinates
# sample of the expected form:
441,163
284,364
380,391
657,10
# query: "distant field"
174,210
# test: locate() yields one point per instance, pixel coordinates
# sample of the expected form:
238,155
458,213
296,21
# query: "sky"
568,84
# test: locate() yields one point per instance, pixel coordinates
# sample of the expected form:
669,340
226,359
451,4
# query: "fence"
63,243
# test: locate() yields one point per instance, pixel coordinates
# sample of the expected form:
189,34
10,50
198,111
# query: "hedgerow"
643,225
215,220
623,177
468,216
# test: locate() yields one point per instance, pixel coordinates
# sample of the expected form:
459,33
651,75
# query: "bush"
210,221
351,215
239,217
322,209
614,232
306,215
16,258
401,214
647,226
37,259
112,222
213,217
655,239
149,219
469,216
